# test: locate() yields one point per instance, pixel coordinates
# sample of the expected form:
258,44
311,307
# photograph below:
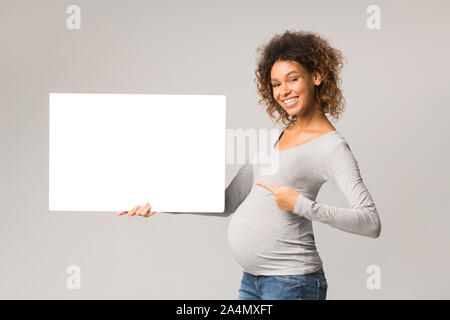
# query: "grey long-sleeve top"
268,241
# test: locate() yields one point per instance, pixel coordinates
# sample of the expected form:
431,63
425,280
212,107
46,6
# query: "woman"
270,233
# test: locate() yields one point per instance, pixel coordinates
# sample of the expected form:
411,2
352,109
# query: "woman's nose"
285,90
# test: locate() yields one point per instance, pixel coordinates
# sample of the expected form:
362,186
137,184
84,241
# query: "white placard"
110,152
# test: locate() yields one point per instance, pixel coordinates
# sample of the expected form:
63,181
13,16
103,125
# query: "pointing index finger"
265,186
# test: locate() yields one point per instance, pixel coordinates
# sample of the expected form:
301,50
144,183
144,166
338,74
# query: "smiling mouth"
290,102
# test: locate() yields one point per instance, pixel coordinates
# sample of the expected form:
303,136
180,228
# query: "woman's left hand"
285,196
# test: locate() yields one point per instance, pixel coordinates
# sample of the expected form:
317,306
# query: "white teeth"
290,100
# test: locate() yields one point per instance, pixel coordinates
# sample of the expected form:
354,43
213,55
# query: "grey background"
395,83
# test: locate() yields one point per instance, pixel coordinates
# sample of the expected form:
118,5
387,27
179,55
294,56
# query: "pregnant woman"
270,232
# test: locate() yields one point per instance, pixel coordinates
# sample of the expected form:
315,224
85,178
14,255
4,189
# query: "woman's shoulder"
335,143
338,154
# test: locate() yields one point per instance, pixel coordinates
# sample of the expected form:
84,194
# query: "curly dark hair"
315,54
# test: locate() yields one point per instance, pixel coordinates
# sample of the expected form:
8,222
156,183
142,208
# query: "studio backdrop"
395,83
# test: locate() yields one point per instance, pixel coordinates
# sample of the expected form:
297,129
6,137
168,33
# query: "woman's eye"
276,85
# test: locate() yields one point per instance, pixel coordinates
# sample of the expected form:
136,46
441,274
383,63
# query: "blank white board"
110,152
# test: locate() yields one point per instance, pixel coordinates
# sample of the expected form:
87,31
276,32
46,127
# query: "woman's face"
293,86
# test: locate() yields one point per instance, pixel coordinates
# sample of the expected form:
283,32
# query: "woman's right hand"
138,210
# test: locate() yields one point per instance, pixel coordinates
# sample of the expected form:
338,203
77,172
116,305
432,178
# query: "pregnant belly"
258,232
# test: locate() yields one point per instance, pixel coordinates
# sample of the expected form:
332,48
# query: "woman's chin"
292,111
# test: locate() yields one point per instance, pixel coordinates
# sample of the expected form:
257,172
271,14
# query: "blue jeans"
312,286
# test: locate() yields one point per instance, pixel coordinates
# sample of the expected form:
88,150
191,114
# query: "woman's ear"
317,78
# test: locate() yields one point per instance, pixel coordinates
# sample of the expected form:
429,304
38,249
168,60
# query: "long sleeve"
235,193
362,218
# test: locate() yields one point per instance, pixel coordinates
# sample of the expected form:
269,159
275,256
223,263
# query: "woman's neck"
312,122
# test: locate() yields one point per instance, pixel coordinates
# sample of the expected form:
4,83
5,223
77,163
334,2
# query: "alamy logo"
374,281
374,20
260,148
73,282
73,22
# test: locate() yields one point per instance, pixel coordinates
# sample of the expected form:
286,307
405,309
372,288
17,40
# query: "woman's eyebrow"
287,74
